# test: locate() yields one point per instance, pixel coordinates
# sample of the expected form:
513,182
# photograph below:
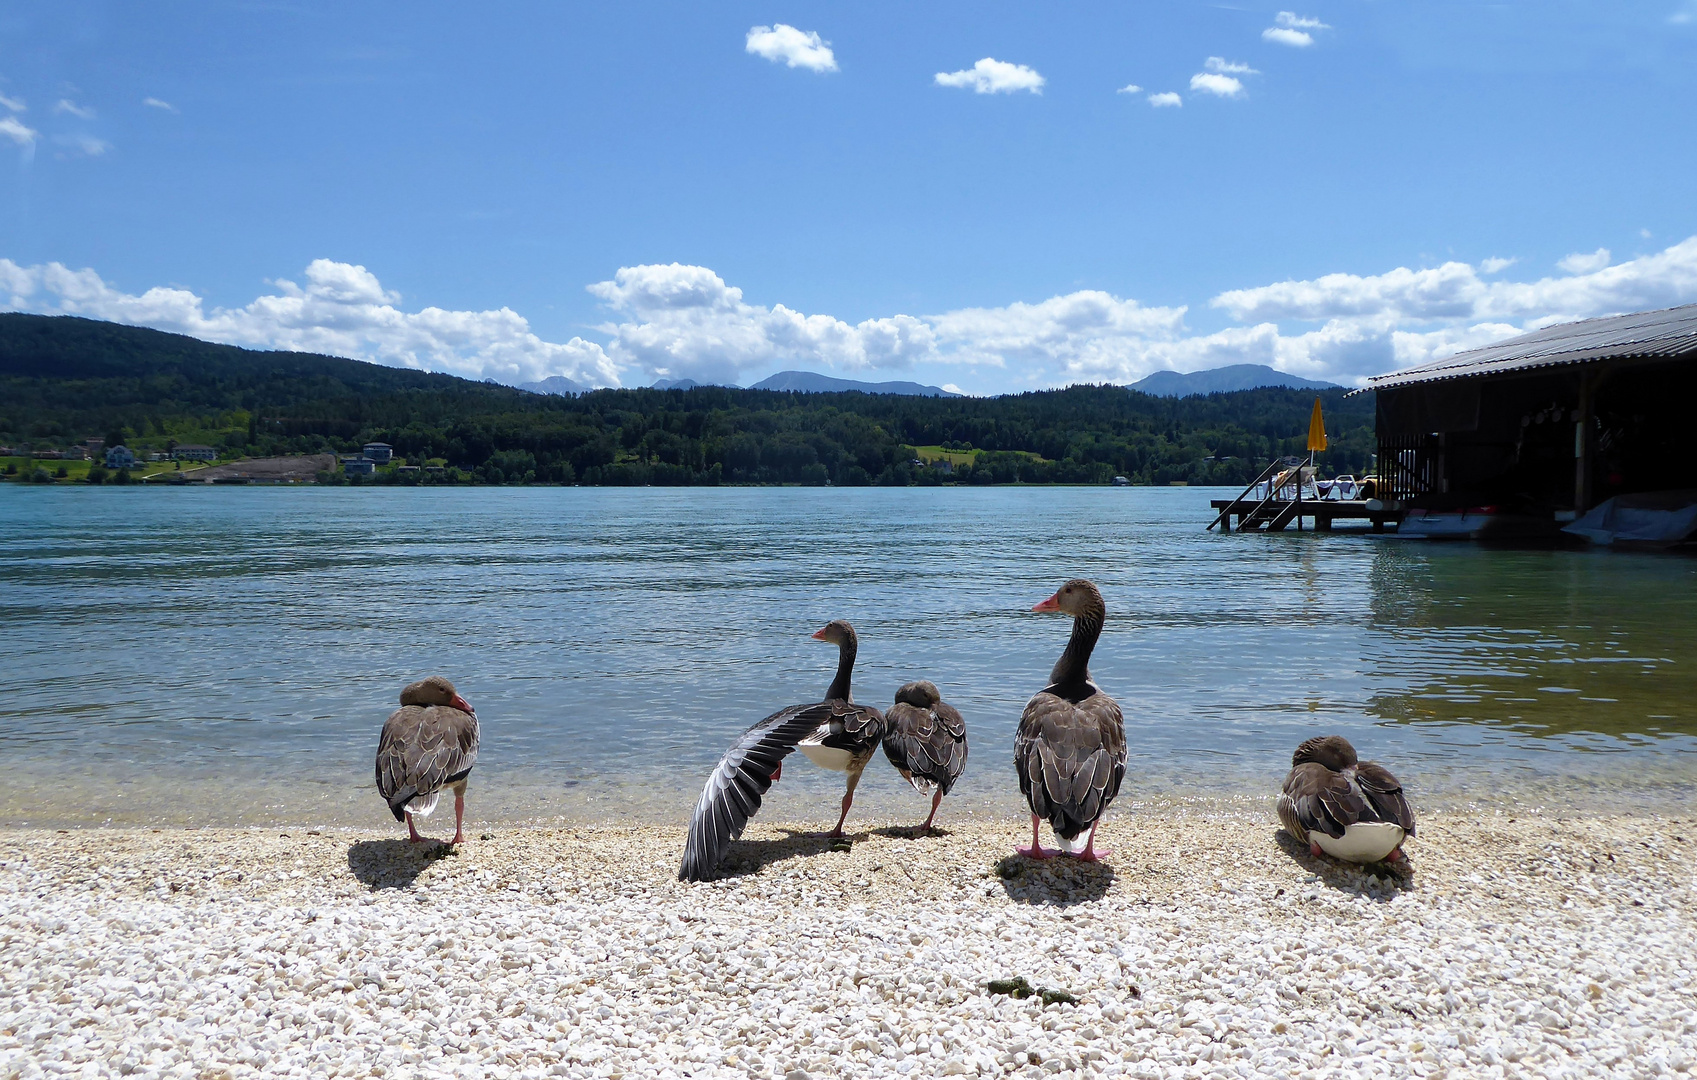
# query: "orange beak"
1051,604
463,705
819,634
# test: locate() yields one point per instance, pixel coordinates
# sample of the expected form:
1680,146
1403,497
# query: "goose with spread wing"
1339,806
834,733
428,744
1070,749
925,739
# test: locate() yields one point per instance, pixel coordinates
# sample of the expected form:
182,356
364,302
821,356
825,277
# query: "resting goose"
1070,748
925,739
428,744
1354,811
834,733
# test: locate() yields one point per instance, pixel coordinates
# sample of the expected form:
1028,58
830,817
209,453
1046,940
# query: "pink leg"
412,830
779,771
848,801
935,799
1035,851
1396,855
1315,849
459,817
1090,853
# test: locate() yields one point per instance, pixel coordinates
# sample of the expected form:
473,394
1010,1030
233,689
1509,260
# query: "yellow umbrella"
1316,428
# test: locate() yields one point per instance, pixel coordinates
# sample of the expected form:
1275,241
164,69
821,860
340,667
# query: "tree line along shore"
65,380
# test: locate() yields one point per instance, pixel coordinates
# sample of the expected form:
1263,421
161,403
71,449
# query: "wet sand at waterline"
1517,944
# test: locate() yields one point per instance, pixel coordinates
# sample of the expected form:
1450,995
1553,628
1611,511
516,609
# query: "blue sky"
958,193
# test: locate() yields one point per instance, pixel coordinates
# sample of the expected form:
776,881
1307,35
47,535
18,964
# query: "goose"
428,744
925,739
1352,810
1070,747
835,733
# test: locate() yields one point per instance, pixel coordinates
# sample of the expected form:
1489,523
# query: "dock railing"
1266,474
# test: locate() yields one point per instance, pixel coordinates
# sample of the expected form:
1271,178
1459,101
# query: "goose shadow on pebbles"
394,863
1058,881
1377,881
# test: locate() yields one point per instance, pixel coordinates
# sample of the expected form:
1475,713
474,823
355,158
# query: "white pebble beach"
1208,944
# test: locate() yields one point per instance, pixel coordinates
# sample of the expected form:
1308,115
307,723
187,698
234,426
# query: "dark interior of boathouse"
1549,423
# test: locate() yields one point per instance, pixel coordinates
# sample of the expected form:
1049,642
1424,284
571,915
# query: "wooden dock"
1275,515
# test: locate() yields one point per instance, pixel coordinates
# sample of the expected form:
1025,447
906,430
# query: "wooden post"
1582,444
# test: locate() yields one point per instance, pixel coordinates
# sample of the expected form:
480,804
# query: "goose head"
1077,597
435,690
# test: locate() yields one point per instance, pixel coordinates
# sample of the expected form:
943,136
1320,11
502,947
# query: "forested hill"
64,380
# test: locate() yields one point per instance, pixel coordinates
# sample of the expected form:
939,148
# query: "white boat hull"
1363,842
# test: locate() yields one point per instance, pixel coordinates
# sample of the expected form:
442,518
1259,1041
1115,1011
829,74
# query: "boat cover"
1647,519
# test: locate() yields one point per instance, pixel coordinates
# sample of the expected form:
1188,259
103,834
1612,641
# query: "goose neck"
1074,664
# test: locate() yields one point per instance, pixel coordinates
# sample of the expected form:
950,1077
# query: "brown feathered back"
426,744
925,738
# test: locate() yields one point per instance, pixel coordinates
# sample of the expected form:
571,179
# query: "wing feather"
421,748
1384,794
732,793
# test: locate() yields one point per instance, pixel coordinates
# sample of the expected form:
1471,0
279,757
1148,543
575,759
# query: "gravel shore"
1207,945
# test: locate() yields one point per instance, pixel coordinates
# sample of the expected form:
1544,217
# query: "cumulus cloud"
1218,85
992,76
1289,28
1494,264
156,103
12,103
1222,66
676,321
1586,262
1130,88
13,129
792,47
1166,100
68,107
341,309
1219,77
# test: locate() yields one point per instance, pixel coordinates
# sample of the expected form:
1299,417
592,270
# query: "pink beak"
819,634
1051,604
463,705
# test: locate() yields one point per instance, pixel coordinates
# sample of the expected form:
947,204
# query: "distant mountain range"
677,384
1222,380
808,382
553,384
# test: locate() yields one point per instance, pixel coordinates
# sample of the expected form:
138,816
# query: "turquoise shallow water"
227,655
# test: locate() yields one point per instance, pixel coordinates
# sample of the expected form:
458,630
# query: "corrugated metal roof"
1669,332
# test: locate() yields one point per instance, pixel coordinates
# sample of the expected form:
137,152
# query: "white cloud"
1685,14
1494,264
1218,85
1292,21
342,310
1131,88
1644,233
156,103
66,105
953,389
1289,28
86,145
681,321
12,129
795,48
1165,100
992,76
15,104
1221,66
1585,262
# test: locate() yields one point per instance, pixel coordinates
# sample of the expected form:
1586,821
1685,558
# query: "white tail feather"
423,805
1075,845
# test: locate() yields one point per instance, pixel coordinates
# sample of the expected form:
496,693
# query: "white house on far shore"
120,457
194,452
379,451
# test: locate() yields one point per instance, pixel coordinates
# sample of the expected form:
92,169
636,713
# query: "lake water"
228,655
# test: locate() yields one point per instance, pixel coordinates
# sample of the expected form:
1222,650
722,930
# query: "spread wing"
1384,794
926,745
1071,758
422,748
743,775
1317,799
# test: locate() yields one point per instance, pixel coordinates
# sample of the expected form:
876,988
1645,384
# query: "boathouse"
1547,424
